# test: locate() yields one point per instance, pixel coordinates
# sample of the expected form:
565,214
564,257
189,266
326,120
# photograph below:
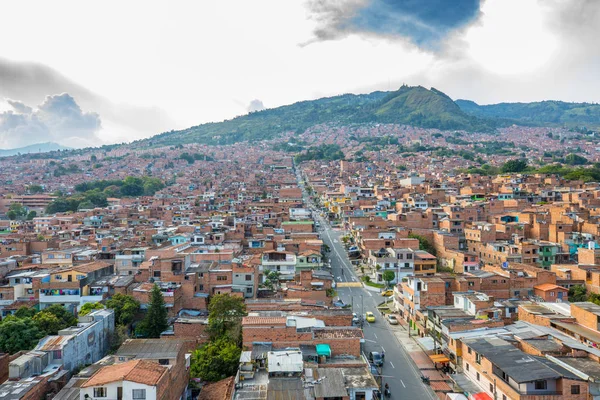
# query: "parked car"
392,319
338,302
355,319
369,316
375,358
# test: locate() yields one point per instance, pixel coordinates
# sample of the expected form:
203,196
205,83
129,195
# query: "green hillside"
538,113
415,106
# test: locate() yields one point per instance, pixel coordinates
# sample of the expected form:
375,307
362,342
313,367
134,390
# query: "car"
375,358
392,319
355,319
387,293
369,316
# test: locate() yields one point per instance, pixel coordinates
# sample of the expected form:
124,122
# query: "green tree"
215,360
155,322
35,189
577,293
89,307
18,334
65,317
388,276
514,166
575,159
125,308
225,315
31,215
25,312
48,323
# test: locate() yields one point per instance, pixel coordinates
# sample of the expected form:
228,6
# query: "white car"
392,319
355,319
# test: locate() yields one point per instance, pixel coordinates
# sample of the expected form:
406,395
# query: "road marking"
402,383
375,335
382,349
369,340
370,294
392,365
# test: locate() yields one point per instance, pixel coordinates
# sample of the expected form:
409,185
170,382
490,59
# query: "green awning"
323,350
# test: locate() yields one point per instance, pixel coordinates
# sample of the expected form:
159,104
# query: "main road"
398,371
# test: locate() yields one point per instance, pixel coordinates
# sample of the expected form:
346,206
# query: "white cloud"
206,61
58,119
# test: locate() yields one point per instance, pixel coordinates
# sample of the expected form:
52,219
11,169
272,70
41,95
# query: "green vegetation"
415,106
578,293
367,280
326,152
16,211
219,358
26,327
388,276
61,170
192,158
155,321
125,307
89,307
95,194
423,243
575,159
35,189
551,113
514,166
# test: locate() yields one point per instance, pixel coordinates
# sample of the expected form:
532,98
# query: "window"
57,354
138,393
248,277
156,274
575,389
409,256
478,376
59,277
221,277
478,358
467,366
492,387
540,385
503,397
249,290
163,361
99,392
469,350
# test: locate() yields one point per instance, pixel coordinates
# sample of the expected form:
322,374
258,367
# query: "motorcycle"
387,393
425,380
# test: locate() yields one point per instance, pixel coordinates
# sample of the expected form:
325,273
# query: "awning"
323,350
480,396
439,358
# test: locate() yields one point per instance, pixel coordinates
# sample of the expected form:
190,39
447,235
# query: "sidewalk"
439,382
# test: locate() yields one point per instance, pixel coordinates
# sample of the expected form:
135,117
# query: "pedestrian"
382,355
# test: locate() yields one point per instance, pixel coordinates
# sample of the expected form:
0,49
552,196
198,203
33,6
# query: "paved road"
398,370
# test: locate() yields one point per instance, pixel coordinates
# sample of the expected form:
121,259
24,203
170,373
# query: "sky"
88,73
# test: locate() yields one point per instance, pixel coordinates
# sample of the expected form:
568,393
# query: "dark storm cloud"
57,118
424,22
31,82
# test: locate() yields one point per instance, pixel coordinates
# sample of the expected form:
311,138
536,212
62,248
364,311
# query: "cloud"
425,23
58,119
31,82
255,105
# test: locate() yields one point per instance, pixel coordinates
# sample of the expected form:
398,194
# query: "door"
69,278
119,392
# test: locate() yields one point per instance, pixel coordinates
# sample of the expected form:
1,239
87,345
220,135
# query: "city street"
398,370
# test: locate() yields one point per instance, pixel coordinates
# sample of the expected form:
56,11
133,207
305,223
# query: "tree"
31,215
388,276
34,189
155,322
215,360
577,293
48,323
225,315
514,166
16,211
65,317
575,159
18,334
125,308
89,307
25,312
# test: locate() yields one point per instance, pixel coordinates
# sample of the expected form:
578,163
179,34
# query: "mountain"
537,113
33,148
415,106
